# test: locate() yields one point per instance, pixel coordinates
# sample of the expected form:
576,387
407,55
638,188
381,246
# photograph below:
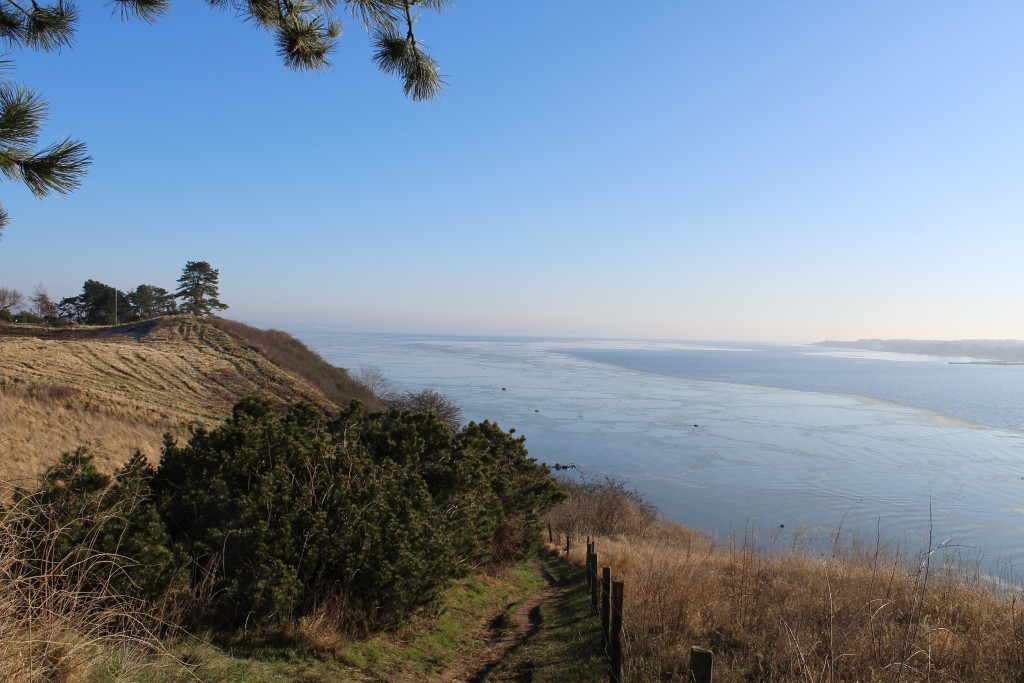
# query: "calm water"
787,440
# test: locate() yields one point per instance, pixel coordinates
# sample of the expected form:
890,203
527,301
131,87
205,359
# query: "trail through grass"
566,644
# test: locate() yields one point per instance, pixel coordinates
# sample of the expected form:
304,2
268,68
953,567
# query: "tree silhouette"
198,289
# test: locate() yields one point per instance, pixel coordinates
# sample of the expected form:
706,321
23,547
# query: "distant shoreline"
978,351
986,362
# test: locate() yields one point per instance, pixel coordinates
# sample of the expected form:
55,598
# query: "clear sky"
782,170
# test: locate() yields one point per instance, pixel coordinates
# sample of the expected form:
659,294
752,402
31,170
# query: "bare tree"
10,299
42,304
373,378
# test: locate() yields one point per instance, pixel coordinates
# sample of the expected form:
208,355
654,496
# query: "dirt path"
475,666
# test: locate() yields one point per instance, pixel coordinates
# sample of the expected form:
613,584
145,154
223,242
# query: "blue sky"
783,170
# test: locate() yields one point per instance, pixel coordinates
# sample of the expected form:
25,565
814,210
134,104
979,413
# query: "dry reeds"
859,611
59,618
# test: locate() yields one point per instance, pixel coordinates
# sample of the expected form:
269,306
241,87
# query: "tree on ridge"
198,289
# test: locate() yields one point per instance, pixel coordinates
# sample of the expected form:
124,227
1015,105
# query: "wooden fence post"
590,559
606,600
551,534
594,586
700,665
615,649
568,540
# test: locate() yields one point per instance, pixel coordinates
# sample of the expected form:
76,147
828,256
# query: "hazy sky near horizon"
787,171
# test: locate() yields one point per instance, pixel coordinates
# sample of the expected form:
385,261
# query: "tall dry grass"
60,621
861,611
119,389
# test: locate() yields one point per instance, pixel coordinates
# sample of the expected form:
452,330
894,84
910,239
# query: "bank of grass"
861,611
315,651
119,389
566,647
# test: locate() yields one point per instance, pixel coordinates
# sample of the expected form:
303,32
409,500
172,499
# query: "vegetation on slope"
119,389
352,520
289,353
860,612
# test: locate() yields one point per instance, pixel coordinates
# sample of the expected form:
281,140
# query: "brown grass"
859,612
117,390
59,621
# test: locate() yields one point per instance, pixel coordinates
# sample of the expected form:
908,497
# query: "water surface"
728,438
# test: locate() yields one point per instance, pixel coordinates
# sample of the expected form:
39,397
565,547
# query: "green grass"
424,646
429,645
566,648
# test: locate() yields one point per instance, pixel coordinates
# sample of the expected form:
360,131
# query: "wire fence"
606,603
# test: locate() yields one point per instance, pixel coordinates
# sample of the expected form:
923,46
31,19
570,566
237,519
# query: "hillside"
118,389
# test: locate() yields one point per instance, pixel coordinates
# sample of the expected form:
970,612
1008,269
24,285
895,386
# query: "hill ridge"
117,389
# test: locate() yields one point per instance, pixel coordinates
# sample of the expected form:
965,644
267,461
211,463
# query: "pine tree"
198,289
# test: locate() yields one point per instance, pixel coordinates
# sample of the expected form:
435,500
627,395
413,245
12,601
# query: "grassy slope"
418,651
864,612
118,389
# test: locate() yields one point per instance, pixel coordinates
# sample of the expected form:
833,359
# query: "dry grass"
291,354
862,612
59,620
117,390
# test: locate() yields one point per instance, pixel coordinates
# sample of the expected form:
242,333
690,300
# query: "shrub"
267,518
602,506
90,512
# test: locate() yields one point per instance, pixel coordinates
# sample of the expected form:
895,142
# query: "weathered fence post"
568,540
594,585
615,647
551,534
590,559
606,599
700,665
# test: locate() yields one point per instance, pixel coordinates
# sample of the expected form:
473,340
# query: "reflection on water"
725,456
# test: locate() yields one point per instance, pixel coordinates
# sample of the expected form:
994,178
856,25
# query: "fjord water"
790,441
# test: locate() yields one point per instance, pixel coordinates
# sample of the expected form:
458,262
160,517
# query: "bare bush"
374,379
602,506
427,401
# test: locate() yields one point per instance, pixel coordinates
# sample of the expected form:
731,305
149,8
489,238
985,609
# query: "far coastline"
968,351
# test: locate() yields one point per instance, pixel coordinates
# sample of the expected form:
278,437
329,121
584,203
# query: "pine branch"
403,56
51,27
22,112
57,168
12,27
304,44
146,10
381,14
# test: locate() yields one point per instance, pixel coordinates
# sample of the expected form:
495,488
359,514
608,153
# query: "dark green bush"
265,517
83,515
